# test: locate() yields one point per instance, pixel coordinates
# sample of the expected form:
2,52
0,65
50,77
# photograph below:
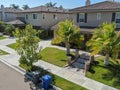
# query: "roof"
10,10
16,22
82,30
101,6
44,9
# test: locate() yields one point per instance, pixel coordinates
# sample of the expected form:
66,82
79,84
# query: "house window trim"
99,16
26,16
55,16
43,16
116,17
35,17
82,18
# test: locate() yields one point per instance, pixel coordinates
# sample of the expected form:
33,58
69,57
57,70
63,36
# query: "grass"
3,52
109,75
2,37
59,81
12,45
54,56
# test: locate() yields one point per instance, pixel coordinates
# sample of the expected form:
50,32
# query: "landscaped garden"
109,75
3,52
54,56
2,37
12,45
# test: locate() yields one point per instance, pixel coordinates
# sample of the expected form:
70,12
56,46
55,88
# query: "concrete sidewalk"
77,78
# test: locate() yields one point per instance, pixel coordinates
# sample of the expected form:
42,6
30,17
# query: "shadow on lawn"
113,74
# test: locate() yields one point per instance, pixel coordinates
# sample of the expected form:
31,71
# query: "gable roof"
16,22
44,9
10,10
101,6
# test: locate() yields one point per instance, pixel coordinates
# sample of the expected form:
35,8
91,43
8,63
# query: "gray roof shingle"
101,6
44,9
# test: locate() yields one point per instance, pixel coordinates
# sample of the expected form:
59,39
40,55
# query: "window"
34,16
82,17
55,16
117,18
43,16
26,16
98,16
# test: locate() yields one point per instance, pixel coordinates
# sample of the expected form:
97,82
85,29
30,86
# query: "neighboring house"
93,15
8,14
43,16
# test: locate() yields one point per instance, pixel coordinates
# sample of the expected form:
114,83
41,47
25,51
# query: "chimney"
3,13
87,2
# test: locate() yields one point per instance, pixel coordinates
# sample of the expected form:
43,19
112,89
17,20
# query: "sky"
68,4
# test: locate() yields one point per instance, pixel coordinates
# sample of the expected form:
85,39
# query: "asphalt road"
11,79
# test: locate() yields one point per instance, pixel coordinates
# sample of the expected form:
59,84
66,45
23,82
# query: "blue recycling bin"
46,80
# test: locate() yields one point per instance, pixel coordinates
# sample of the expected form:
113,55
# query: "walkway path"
77,78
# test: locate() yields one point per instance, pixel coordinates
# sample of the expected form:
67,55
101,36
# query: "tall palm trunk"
91,59
67,48
106,61
77,52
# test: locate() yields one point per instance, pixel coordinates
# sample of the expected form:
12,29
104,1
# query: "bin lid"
46,77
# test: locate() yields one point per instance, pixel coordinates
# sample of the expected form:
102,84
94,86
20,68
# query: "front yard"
109,75
54,56
12,45
2,37
3,52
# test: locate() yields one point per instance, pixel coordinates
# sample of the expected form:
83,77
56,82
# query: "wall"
92,19
10,16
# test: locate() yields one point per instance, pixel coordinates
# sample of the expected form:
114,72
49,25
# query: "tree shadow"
113,74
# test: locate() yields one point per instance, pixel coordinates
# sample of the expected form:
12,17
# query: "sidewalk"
77,78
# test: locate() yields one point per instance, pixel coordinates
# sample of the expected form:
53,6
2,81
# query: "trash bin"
46,81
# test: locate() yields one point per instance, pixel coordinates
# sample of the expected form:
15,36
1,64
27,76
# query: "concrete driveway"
11,79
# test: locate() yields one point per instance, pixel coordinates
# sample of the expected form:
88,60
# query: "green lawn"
2,37
3,52
12,45
54,56
109,75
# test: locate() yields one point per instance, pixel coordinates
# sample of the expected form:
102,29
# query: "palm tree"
50,4
66,33
106,40
25,7
14,6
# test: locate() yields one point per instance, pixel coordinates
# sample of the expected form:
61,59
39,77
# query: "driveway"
11,79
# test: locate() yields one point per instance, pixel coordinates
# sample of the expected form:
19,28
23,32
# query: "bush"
45,34
2,26
9,29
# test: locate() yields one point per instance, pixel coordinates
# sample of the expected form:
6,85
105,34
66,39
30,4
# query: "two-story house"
43,16
93,15
8,14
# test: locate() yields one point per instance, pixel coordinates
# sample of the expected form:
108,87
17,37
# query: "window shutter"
113,17
77,17
85,17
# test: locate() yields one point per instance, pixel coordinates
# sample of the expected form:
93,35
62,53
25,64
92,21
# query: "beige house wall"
10,16
47,22
92,19
51,21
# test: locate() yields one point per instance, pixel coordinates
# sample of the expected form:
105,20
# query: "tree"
9,29
60,7
14,6
106,40
50,4
27,46
66,32
25,7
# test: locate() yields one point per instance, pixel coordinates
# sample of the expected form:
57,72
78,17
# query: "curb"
11,66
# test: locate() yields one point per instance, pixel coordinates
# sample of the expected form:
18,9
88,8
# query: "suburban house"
92,15
43,16
8,14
